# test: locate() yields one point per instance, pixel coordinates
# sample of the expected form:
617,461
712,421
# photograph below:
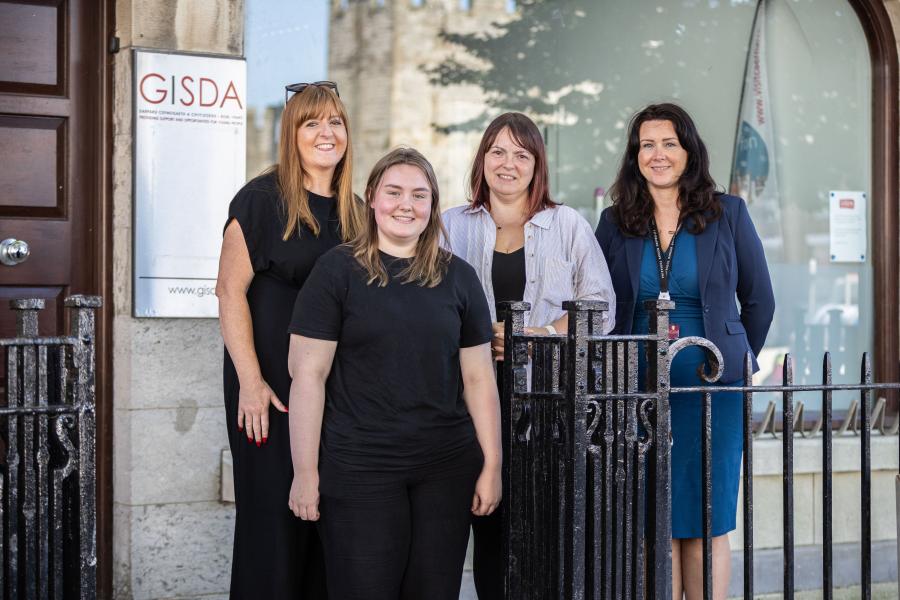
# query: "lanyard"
663,261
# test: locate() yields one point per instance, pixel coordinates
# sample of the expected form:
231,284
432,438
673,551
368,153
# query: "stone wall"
172,537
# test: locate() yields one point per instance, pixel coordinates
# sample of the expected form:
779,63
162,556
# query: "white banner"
189,160
754,173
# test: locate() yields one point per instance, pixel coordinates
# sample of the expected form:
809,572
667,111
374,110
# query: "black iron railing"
587,473
47,460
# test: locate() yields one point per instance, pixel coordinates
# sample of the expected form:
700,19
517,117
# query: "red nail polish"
265,439
258,443
240,427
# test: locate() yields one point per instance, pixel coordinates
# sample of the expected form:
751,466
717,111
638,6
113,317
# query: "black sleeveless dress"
276,555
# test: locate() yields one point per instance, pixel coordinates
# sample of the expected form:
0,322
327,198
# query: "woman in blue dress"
669,230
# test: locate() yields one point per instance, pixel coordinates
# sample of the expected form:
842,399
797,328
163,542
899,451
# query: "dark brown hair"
525,134
431,261
697,197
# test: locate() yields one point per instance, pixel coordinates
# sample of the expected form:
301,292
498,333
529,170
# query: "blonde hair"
431,261
312,103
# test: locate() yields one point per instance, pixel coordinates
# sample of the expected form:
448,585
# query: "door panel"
31,47
32,172
48,172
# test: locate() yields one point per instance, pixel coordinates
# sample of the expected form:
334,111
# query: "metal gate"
47,461
587,474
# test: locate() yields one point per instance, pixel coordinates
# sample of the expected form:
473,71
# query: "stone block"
121,550
768,523
122,456
174,363
227,476
213,26
175,455
846,507
180,550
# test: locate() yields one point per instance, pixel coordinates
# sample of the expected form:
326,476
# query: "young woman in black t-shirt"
278,225
396,421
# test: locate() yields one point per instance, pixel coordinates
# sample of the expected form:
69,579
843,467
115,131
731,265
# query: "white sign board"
189,160
847,226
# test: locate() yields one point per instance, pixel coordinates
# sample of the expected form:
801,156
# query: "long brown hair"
430,263
697,197
312,103
525,134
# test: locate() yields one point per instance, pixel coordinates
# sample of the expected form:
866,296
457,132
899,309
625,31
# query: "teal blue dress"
727,446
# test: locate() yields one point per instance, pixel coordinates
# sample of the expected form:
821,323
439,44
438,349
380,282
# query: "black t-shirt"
280,268
508,278
394,395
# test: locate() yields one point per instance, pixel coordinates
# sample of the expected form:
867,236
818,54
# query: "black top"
280,268
508,278
394,395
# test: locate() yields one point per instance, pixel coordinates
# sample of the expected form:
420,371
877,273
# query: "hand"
253,410
304,497
488,491
497,341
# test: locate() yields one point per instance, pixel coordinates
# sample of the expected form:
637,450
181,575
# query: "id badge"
674,330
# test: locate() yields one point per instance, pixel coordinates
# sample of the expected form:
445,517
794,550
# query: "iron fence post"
584,317
515,360
660,565
82,328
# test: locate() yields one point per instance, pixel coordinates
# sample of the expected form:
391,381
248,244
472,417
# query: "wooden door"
51,151
54,158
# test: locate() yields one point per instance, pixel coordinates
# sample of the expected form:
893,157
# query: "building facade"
424,73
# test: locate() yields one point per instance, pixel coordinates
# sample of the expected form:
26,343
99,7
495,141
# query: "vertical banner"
189,160
754,173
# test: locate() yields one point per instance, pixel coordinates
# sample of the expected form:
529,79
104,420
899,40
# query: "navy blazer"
730,261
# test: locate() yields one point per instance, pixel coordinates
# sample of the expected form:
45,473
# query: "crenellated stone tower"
379,54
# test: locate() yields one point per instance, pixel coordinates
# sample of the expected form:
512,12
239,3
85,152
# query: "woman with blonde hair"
396,420
278,225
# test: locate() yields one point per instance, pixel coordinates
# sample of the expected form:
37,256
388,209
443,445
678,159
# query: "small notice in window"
847,226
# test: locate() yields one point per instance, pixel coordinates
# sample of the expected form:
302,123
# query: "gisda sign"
189,160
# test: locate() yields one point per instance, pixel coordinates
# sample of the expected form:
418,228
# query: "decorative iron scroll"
47,476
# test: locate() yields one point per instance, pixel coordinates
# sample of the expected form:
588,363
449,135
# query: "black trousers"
276,555
487,536
487,559
398,534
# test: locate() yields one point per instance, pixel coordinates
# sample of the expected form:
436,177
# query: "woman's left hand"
488,491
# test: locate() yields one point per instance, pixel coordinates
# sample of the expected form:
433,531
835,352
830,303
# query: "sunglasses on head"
296,88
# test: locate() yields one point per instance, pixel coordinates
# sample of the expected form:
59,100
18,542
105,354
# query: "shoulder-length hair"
697,197
314,102
431,261
525,134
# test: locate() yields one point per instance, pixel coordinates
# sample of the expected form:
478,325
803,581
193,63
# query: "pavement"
880,591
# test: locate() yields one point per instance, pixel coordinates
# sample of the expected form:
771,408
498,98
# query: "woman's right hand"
253,410
304,497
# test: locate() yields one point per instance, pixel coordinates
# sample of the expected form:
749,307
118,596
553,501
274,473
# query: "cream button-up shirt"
563,260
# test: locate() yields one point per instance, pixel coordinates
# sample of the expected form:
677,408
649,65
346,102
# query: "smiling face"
402,205
508,168
322,142
661,158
